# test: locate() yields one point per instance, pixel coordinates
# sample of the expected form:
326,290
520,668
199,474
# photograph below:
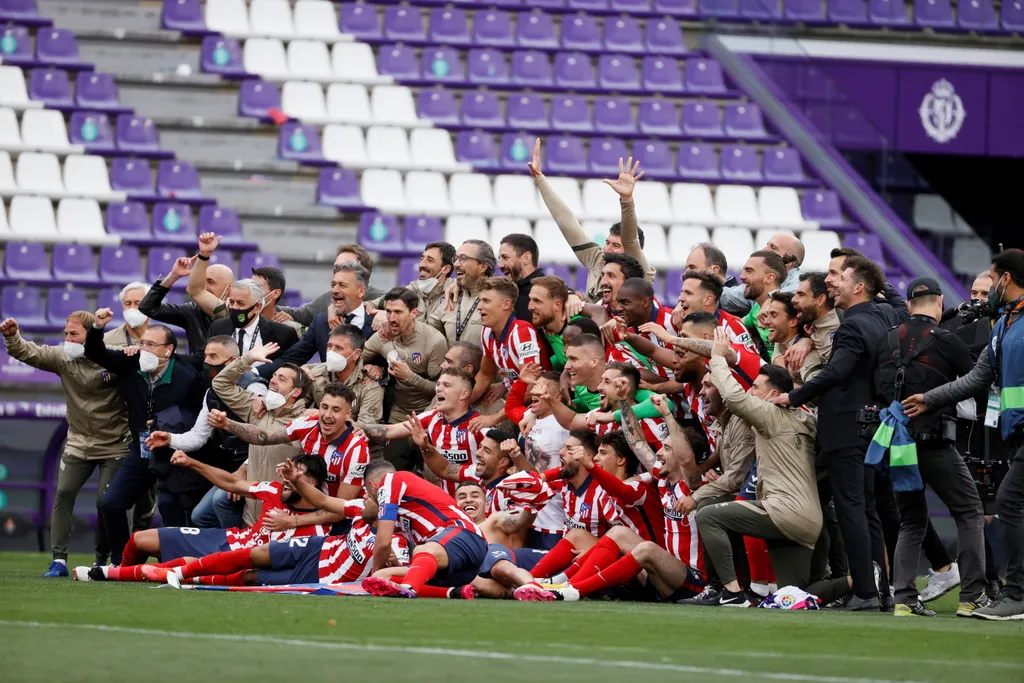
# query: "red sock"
557,559
221,579
602,555
432,592
760,562
226,562
131,555
171,564
578,563
422,569
132,573
617,574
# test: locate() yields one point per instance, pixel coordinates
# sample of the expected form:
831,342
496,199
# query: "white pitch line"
467,654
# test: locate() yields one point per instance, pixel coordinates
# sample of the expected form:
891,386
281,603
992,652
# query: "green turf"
52,630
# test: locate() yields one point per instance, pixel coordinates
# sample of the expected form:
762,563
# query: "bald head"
218,278
788,247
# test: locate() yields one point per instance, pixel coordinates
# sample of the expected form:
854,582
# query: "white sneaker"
81,573
762,589
567,594
940,583
174,578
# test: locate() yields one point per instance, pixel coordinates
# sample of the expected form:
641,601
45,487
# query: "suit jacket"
312,343
187,316
845,385
270,332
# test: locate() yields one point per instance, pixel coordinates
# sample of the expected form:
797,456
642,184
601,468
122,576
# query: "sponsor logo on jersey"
457,455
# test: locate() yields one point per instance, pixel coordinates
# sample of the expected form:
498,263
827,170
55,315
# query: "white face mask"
74,350
427,286
336,362
274,400
134,317
148,361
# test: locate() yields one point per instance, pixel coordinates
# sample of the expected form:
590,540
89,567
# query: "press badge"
992,412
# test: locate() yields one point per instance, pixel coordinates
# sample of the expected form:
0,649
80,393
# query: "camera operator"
917,356
1002,366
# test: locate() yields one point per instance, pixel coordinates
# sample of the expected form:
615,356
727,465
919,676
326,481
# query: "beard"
569,470
808,316
753,291
293,498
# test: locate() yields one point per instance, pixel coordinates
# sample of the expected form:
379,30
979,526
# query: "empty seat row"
26,305
306,59
274,18
172,222
382,147
933,214
45,130
51,87
53,47
343,103
76,220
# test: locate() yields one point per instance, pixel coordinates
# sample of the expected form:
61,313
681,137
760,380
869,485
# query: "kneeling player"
174,545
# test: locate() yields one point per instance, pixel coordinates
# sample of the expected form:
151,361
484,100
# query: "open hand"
418,433
629,173
530,373
158,440
915,405
721,345
262,353
657,330
288,471
279,520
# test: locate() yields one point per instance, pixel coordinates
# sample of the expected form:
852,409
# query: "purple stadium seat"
581,32
257,98
868,244
757,9
813,84
183,15
361,20
676,8
222,55
605,154
19,11
807,11
717,8
698,162
664,38
437,105
107,298
655,158
493,28
617,72
701,119
254,259
704,76
26,262
740,162
74,263
631,6
404,24
62,302
574,70
222,221
50,86
338,187
131,176
613,115
177,179
515,151
662,74
398,61
129,221
409,269
782,165
888,12
449,26
821,206
1013,16
174,222
92,131
977,15
536,30
588,5
848,11
120,264
571,113
24,304
443,64
58,46
744,120
565,155
378,232
558,270
477,148
531,68
482,109
96,91
417,233
16,46
933,13
527,111
623,34
160,262
138,135
487,66
659,117
546,4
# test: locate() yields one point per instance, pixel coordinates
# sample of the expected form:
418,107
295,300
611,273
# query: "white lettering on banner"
942,112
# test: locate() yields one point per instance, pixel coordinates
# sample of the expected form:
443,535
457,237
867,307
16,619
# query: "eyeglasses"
150,345
461,258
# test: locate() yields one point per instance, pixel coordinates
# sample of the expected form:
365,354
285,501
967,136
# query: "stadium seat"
458,229
740,163
228,17
393,104
662,75
309,60
50,86
380,233
652,201
655,157
223,56
623,34
174,222
449,27
419,231
340,188
780,207
566,155
681,241
656,245
398,61
702,119
12,89
86,176
222,221
349,104
442,64
477,148
807,11
536,30
316,19
664,37
75,264
971,255
16,46
693,204
58,46
361,21
493,28
384,190
95,91
737,205
133,177
272,18
480,109
502,226
10,135
822,207
345,145
853,12
658,117
388,147
25,304
600,201
888,12
257,98
8,186
978,15
933,214
933,13
254,259
581,32
62,302
1011,16
868,244
531,68
556,249
617,72
160,261
782,165
568,190
266,57
299,142
120,264
81,220
32,217
304,101
763,10
527,111
138,135
516,195
471,193
574,71
129,221
354,62
177,179
404,24
39,173
183,15
27,262
704,76
571,113
743,121
605,154
613,115
698,161
438,105
818,246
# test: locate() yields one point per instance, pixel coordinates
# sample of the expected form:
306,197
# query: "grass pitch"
60,630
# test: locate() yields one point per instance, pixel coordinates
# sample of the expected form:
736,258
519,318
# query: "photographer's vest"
1006,355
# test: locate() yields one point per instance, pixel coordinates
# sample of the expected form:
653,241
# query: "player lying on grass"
450,546
176,545
315,559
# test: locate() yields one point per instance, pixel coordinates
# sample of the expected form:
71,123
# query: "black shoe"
706,598
886,603
994,590
858,604
96,574
738,599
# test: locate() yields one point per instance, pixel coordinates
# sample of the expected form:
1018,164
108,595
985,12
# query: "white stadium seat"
86,176
681,241
383,189
44,129
349,104
309,60
393,104
780,206
933,214
32,218
345,145
971,255
818,246
388,147
10,133
81,220
737,205
5,227
516,195
316,19
736,243
304,101
228,17
471,194
266,57
355,62
427,193
692,204
500,227
431,148
568,190
458,229
651,201
656,246
764,234
39,173
600,201
597,230
554,247
7,184
13,92
271,18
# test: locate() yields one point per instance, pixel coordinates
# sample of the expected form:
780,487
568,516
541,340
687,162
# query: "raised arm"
634,434
48,358
616,488
225,385
114,360
377,433
208,303
310,493
645,346
629,173
565,415
250,434
975,382
216,476
153,303
681,447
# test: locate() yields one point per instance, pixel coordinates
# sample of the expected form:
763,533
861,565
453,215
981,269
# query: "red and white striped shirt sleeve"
355,462
525,345
301,427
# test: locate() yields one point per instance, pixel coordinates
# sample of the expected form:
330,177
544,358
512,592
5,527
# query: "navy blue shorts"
295,560
749,490
540,540
495,554
527,558
185,541
466,553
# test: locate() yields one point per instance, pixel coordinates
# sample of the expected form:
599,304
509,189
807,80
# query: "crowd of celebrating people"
486,431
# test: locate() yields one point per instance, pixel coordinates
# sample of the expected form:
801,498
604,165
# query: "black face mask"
240,316
213,370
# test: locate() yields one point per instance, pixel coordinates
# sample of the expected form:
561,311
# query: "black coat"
270,332
312,343
187,316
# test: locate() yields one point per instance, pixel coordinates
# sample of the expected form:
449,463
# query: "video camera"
975,310
987,475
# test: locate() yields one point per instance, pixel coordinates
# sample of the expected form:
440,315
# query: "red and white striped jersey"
522,490
589,507
661,315
638,500
681,536
734,327
517,346
269,492
347,558
621,352
452,440
419,509
346,456
655,430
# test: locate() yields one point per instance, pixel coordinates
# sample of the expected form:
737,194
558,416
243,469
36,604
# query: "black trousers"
1010,505
129,483
853,490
